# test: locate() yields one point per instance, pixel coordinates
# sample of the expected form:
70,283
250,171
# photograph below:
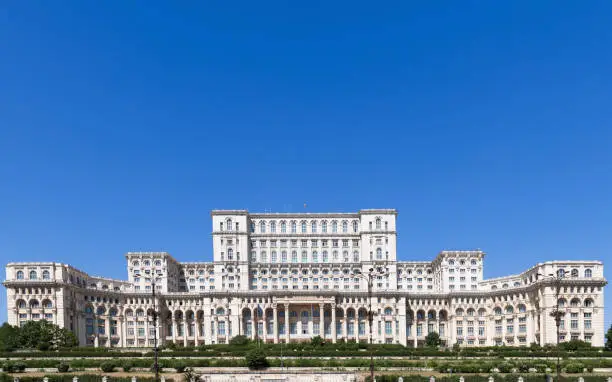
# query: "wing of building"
291,276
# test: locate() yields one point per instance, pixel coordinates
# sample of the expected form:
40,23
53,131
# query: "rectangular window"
388,328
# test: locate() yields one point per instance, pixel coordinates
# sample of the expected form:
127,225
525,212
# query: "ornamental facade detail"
281,277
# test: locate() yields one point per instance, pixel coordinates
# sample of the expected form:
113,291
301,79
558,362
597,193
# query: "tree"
9,337
256,359
239,340
433,340
609,339
317,341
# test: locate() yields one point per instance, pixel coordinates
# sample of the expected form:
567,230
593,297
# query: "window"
252,227
315,257
264,257
230,254
588,273
45,275
262,227
334,226
355,226
273,227
19,275
32,275
378,223
283,227
303,227
313,227
378,253
283,257
293,227
324,227
294,257
229,224
304,257
588,303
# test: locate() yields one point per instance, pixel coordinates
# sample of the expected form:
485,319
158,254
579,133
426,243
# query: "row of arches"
33,275
292,227
147,263
34,304
576,303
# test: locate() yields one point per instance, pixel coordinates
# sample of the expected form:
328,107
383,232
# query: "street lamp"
557,314
369,278
155,350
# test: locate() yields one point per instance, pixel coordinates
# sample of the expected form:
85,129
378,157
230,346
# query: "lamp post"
557,314
155,351
369,278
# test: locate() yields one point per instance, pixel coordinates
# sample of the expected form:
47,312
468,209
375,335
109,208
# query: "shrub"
239,340
317,341
256,359
180,366
574,367
63,367
127,365
107,367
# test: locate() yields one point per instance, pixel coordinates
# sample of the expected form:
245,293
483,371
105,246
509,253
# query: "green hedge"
82,378
484,378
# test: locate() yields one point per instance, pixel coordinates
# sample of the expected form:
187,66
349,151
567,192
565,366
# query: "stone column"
147,331
265,328
185,332
107,330
287,331
196,331
322,320
275,324
122,330
174,329
345,327
333,323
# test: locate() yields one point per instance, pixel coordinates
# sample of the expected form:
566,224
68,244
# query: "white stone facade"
289,277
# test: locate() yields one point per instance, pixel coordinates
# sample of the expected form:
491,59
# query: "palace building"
282,277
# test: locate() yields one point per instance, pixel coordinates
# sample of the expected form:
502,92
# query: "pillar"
275,324
265,328
333,323
287,331
174,329
345,328
185,332
107,331
196,330
322,320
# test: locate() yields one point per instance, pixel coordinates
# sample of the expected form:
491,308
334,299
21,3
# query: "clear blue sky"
487,125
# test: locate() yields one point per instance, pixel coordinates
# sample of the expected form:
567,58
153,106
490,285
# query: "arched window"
355,226
294,257
253,256
273,258
588,303
561,273
388,311
303,227
459,312
252,227
100,310
588,273
325,257
220,311
283,227
34,304
304,257
229,224
378,253
471,312
334,226
47,304
574,273
293,227
313,227
264,257
19,275
575,303
522,308
262,227
315,257
230,255
157,263
21,304
273,227
283,256
355,257
451,262
46,275
378,225
345,226
561,302
324,226
32,275
509,309
335,256
497,311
